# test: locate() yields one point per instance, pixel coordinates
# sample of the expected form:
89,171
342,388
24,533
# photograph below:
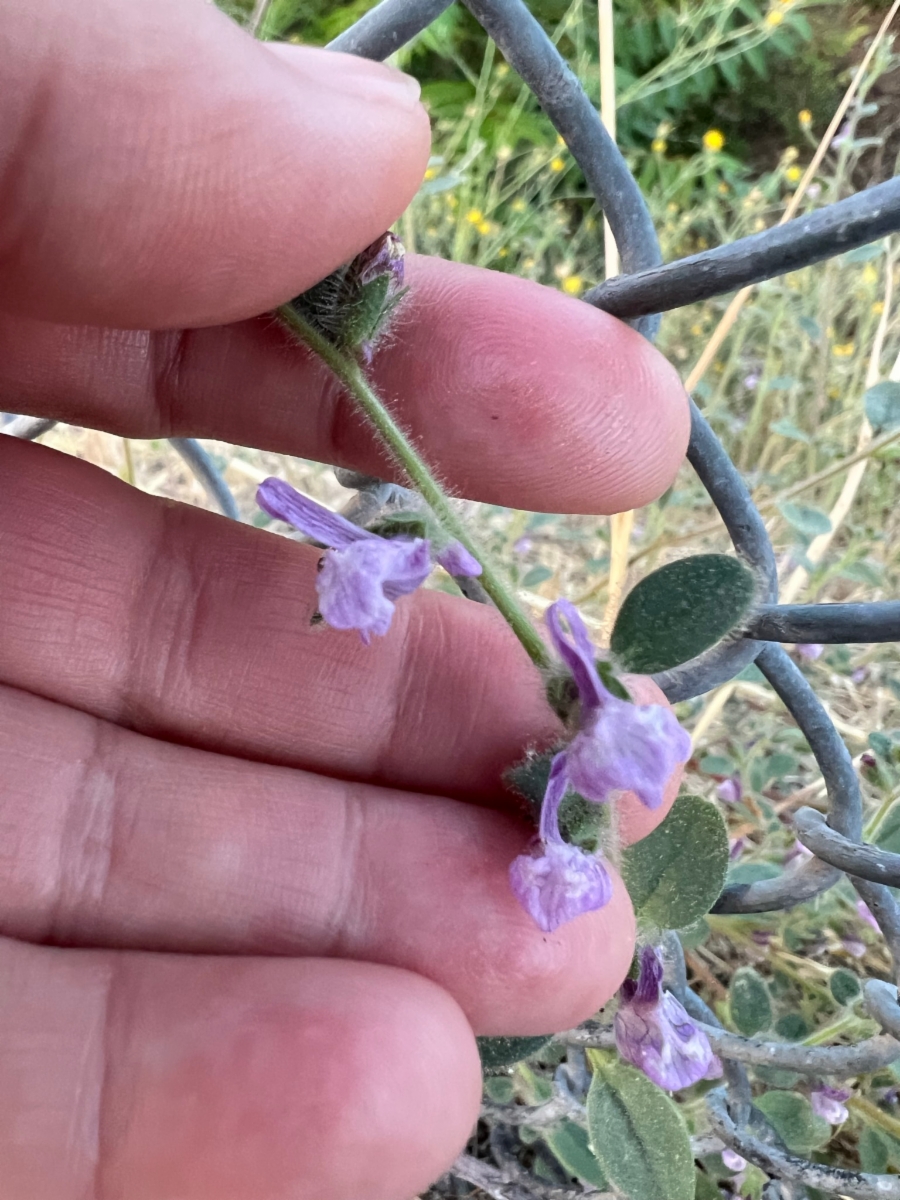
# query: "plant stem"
402,449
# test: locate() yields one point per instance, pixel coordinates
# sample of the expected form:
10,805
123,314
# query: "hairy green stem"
403,451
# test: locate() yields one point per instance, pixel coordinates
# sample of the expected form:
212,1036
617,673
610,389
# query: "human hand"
253,875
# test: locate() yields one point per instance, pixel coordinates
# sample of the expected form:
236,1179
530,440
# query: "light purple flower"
522,546
732,1160
866,914
854,945
456,560
655,1034
859,675
810,650
751,380
730,790
798,853
361,574
736,848
828,1103
556,881
619,746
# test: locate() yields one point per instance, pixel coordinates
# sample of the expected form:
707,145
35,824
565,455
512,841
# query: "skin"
253,875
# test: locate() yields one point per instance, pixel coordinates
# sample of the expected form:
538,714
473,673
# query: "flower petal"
456,560
662,1041
358,584
629,748
555,793
559,884
280,500
576,651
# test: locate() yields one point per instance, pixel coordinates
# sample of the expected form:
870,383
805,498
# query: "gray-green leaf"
498,1053
805,518
675,875
638,1134
570,1145
882,405
844,985
681,610
793,1119
749,1003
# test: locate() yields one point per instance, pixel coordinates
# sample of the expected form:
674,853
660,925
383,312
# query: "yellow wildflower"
504,153
484,227
518,205
502,252
791,154
572,285
793,174
528,264
696,330
557,164
843,349
658,145
878,308
759,225
870,273
430,173
804,117
474,216
724,189
713,140
774,18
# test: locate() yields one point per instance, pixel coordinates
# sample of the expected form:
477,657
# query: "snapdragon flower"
361,574
618,746
828,1103
655,1034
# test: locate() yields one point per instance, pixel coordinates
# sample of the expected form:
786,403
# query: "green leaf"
792,1027
752,872
638,1134
705,1188
570,1146
805,518
874,1151
536,575
675,875
749,1003
844,985
717,764
810,328
793,1119
403,524
888,835
681,610
498,1053
788,429
882,405
864,253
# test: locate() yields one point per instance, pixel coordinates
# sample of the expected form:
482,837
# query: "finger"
117,840
516,394
150,1076
184,625
160,168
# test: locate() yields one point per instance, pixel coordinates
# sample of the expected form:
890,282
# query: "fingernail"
348,73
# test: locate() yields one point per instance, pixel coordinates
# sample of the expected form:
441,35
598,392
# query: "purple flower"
797,853
619,746
828,1103
361,574
854,945
655,1034
555,881
866,914
456,560
732,1160
736,848
751,380
730,790
810,650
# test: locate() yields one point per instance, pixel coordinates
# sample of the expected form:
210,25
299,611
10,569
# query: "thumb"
159,168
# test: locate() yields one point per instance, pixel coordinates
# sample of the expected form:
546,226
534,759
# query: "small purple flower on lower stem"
828,1103
810,650
619,746
736,848
798,853
361,574
866,914
556,881
733,1160
655,1034
730,790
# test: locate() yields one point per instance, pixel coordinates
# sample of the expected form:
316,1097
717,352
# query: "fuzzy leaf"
681,610
882,405
638,1134
793,1119
805,518
498,1053
748,1000
844,985
569,1144
675,875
